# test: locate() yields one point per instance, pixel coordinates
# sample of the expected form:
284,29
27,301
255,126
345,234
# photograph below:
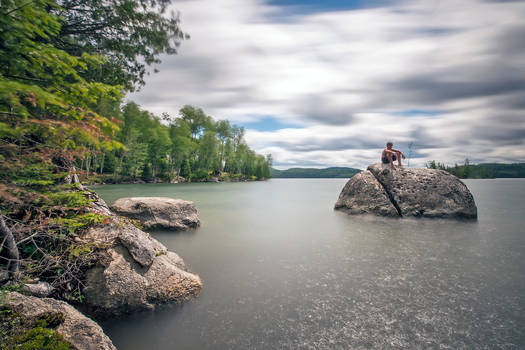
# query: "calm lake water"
282,270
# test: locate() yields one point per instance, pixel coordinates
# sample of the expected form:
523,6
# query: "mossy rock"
18,332
28,323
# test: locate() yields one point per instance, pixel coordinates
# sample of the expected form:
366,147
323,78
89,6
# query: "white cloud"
345,75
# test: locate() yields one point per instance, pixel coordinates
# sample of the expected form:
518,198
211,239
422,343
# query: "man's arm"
399,152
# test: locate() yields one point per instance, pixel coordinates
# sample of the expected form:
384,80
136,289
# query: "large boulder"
364,194
418,192
75,328
138,272
159,212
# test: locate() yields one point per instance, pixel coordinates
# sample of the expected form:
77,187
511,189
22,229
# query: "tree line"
481,171
189,147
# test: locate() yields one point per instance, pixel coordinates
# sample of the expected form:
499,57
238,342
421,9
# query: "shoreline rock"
141,273
133,272
75,328
417,192
159,212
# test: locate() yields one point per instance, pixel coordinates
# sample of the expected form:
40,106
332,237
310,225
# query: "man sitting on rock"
390,154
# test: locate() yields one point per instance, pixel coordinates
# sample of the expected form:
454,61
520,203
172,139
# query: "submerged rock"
418,192
75,328
159,212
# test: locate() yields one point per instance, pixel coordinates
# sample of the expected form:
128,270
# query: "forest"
481,171
189,147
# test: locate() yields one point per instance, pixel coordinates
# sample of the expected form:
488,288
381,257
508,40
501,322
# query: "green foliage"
45,99
200,174
192,146
130,34
67,199
78,222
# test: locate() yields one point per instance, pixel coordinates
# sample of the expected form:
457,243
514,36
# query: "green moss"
17,332
39,338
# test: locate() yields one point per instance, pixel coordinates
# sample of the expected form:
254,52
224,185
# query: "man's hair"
389,143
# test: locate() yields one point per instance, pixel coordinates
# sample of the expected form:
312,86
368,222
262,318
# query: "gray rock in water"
364,194
139,274
418,192
159,212
75,328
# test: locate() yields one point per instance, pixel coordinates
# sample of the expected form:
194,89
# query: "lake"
282,269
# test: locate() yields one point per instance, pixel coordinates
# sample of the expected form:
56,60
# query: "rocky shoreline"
135,272
110,180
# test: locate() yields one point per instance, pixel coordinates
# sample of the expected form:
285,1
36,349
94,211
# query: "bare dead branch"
10,248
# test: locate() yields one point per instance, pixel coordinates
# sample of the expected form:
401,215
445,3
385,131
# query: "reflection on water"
281,269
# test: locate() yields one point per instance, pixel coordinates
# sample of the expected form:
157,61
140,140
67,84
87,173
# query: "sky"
327,83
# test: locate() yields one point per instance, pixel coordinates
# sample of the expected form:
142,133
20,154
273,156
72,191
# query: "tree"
185,170
181,145
43,94
432,164
224,133
208,151
130,34
196,119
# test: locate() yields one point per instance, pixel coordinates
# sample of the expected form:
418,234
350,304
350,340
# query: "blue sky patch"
269,123
418,112
313,6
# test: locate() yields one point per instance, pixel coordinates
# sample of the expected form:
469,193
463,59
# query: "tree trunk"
88,163
102,164
9,243
153,173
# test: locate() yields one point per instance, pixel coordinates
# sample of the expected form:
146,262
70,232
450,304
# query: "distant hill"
483,170
334,172
500,170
